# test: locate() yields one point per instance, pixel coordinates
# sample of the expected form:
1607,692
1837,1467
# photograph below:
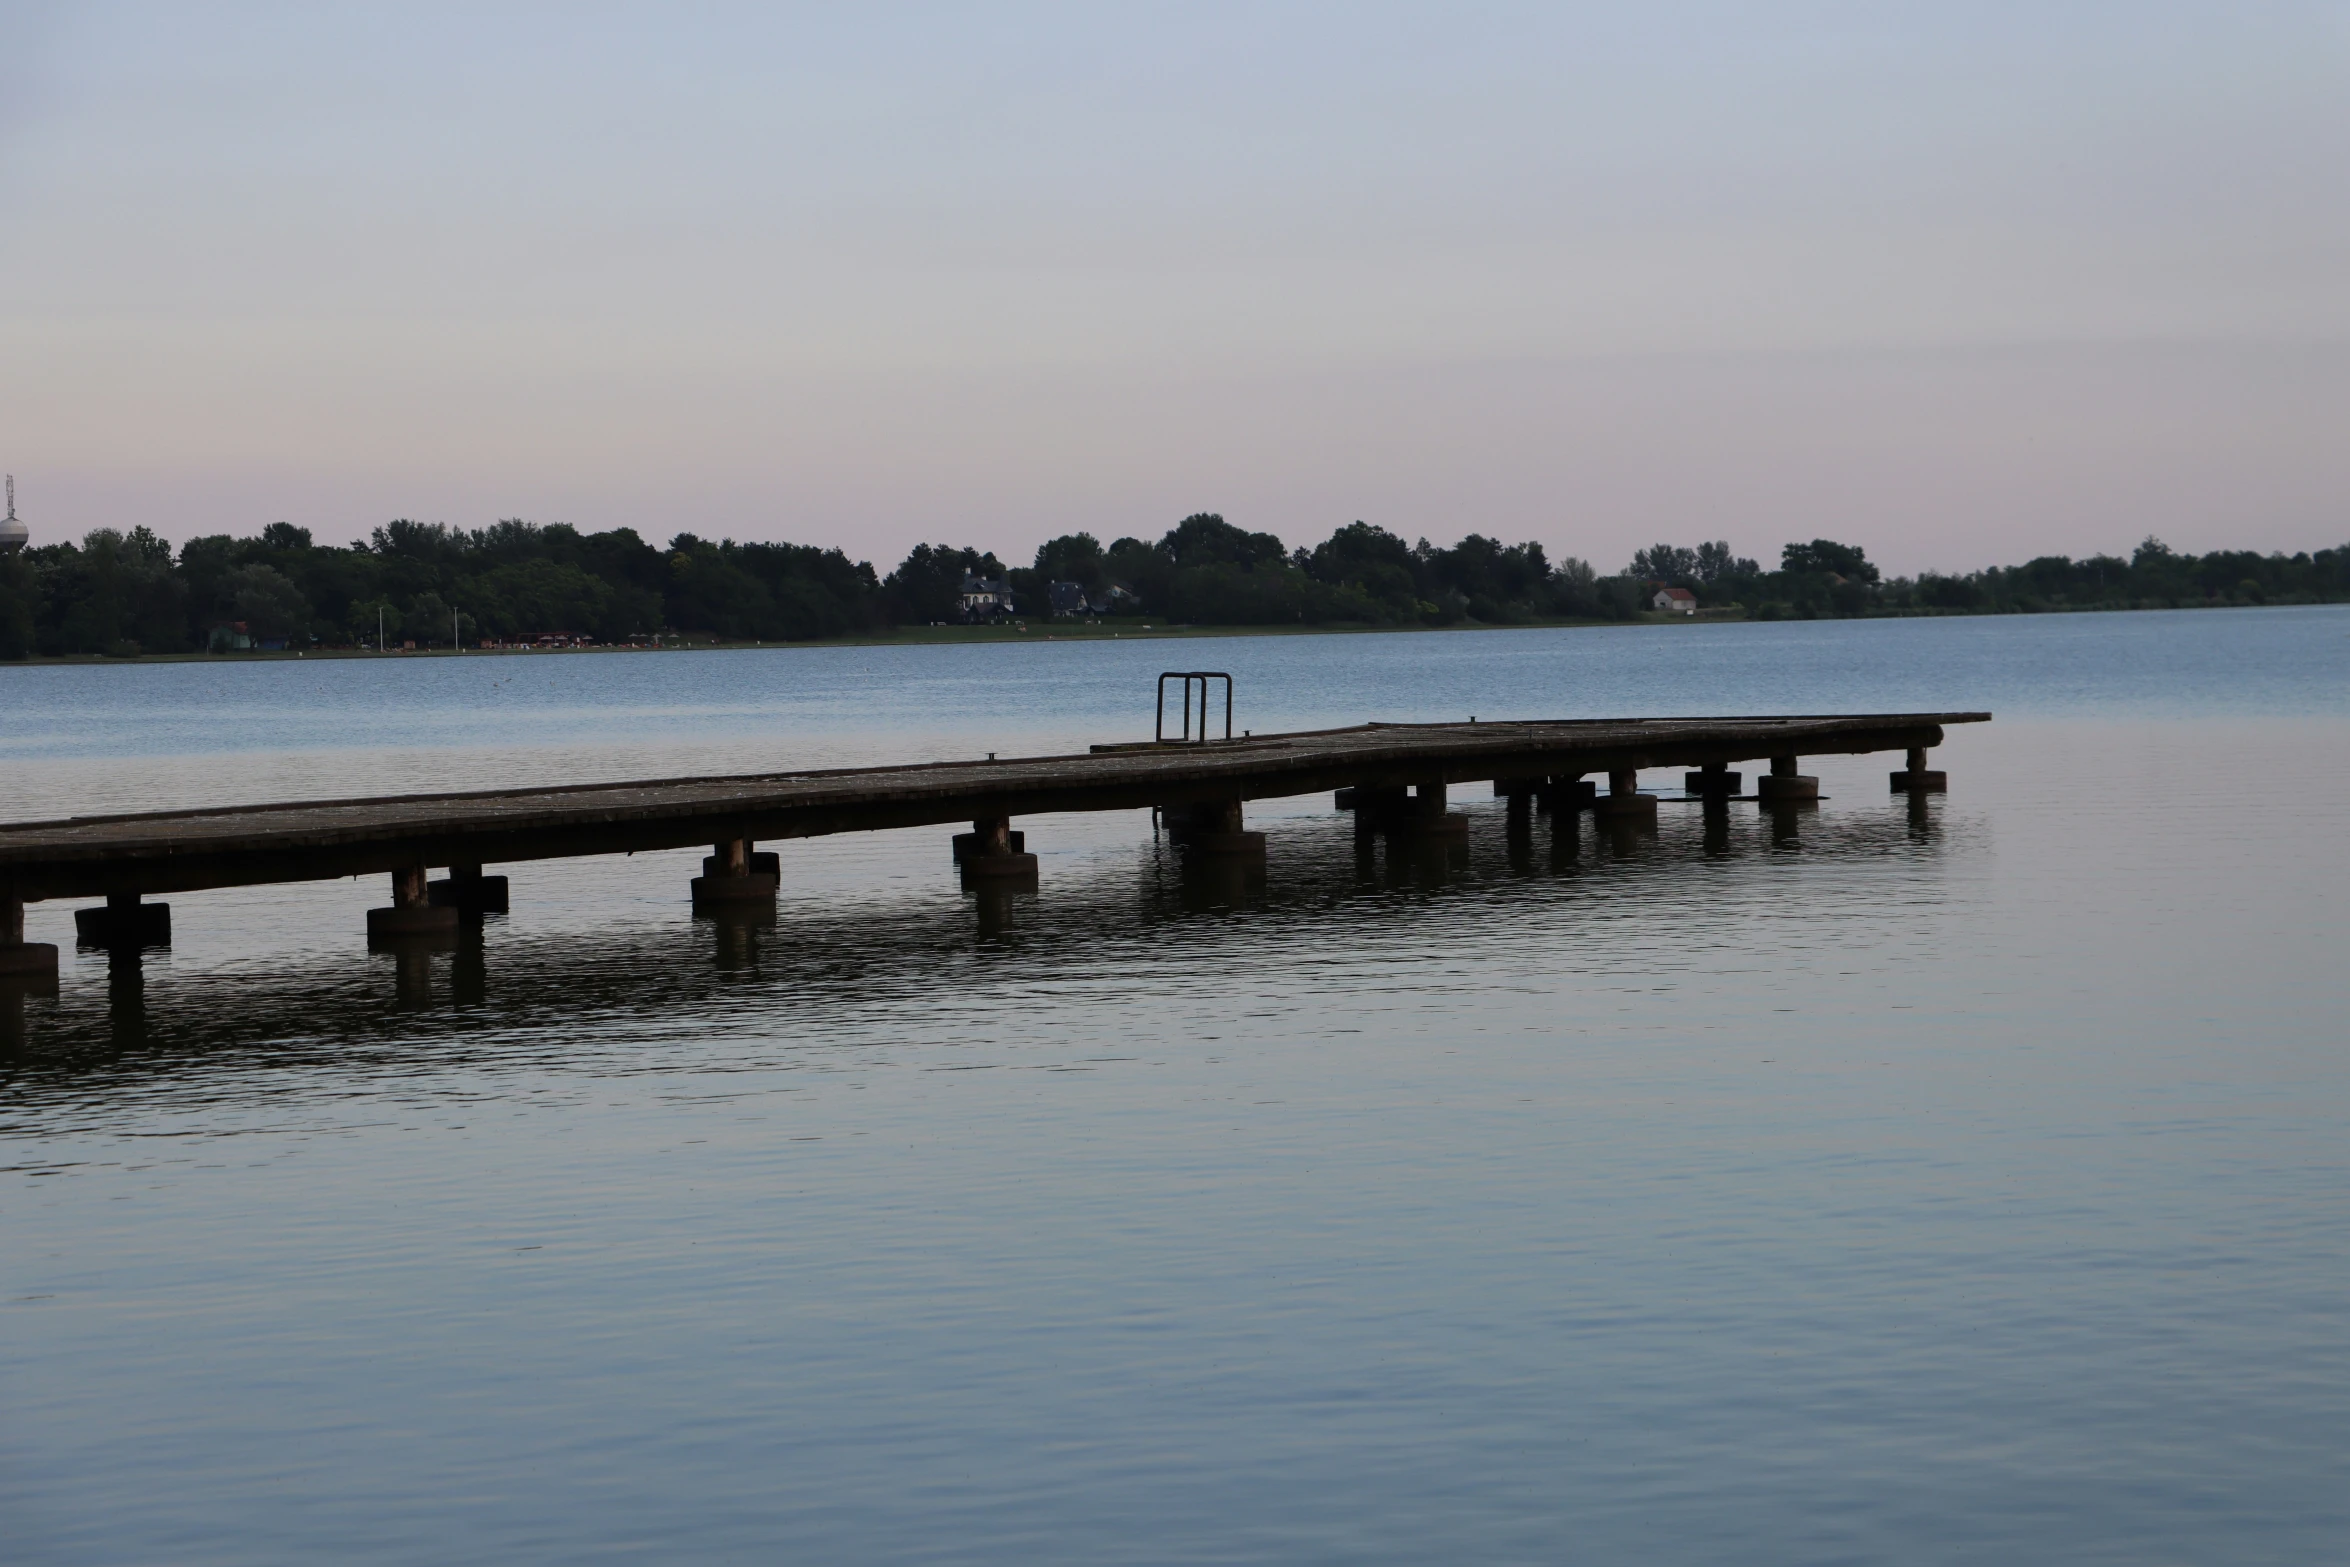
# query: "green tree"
1074,557
267,601
1827,558
1206,539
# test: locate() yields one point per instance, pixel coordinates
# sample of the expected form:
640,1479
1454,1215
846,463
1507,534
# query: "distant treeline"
126,593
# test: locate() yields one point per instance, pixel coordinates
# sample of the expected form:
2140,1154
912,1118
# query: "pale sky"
1961,283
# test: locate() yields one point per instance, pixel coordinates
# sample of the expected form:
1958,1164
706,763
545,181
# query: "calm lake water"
1963,1184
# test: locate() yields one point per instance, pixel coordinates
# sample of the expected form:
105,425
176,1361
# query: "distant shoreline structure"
13,534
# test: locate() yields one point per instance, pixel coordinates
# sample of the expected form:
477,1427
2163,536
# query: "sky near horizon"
1960,283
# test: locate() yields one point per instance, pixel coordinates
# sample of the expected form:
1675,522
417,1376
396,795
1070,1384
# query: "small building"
1068,598
229,636
986,598
1679,601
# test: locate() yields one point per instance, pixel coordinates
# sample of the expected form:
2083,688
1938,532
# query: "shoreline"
906,636
1049,631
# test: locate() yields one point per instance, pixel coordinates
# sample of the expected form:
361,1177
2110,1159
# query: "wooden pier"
1393,776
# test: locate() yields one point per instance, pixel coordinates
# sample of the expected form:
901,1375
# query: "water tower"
12,532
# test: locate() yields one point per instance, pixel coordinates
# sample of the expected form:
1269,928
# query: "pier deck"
172,851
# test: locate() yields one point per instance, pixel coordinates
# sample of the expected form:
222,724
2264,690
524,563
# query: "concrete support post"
468,891
1215,831
1424,815
1376,808
1916,779
19,957
966,844
1521,795
124,923
1567,793
412,912
1784,785
732,874
1623,801
992,856
1714,781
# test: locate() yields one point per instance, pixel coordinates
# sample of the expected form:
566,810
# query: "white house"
986,598
1679,600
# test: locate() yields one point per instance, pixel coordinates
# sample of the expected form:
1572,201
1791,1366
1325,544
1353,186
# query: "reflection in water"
16,990
505,991
469,964
1206,883
1716,822
1922,819
126,997
1787,818
739,933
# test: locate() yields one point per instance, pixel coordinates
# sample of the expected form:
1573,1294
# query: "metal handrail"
1188,676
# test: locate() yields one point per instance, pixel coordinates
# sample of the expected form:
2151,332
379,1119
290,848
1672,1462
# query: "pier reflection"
1715,824
739,933
1787,819
493,982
